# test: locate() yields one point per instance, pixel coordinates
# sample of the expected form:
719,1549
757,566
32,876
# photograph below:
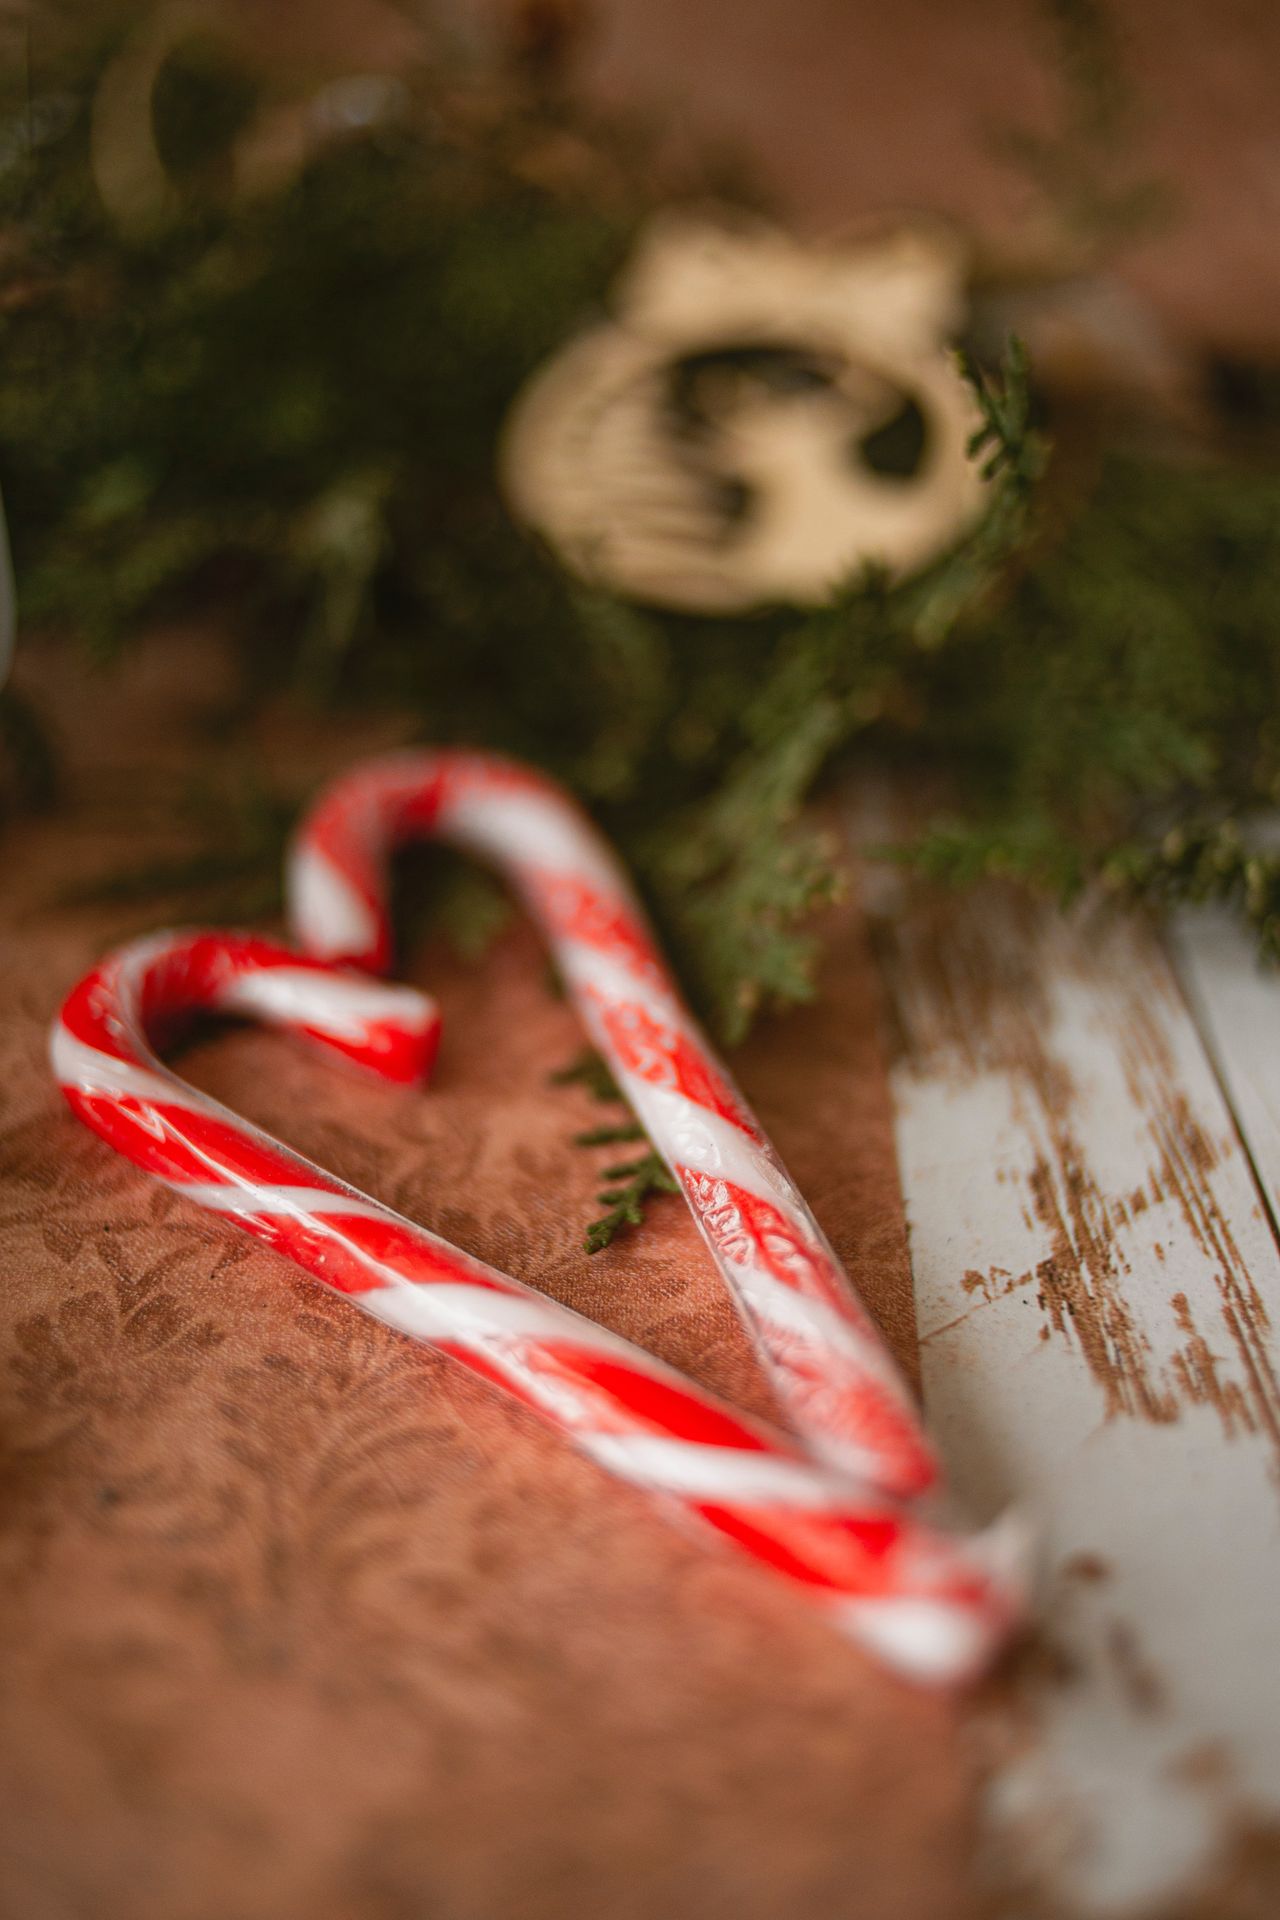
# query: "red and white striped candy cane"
930,1604
829,1365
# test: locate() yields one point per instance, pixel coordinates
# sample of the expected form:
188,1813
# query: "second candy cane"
828,1363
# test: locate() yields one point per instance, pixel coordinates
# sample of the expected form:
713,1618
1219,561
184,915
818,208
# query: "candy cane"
829,1365
928,1603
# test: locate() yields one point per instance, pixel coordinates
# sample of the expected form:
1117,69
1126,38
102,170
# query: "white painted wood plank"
1237,1003
1097,1281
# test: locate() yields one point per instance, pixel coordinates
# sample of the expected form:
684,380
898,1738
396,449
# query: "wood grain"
1237,1005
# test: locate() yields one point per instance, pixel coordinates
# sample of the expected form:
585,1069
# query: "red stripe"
401,1054
418,800
331,1248
385,1240
748,1230
572,910
494,1374
91,1014
631,1401
663,1056
855,1554
178,1144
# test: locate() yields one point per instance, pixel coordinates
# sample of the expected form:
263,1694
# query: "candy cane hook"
829,1366
932,1605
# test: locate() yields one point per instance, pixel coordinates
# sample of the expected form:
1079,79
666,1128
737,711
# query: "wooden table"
1088,1125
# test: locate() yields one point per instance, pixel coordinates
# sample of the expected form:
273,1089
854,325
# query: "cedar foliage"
293,402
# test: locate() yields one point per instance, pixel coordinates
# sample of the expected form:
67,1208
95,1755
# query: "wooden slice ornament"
758,420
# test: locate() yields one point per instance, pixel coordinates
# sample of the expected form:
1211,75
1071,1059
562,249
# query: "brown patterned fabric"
297,1619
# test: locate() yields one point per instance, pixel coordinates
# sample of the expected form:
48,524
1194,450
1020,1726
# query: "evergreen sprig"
625,1131
294,403
640,1178
588,1070
625,1204
299,398
1213,863
1124,689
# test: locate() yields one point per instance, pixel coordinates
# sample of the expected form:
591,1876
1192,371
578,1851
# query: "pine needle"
641,1179
625,1205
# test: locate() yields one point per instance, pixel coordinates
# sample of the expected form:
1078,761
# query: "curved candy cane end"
331,917
146,992
1008,1547
400,1047
931,1642
951,1639
391,1031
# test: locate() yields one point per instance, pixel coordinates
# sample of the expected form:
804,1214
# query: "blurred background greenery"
272,276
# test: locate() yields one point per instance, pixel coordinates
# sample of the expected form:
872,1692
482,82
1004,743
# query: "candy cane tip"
951,1640
415,1066
392,1031
331,917
401,1053
1007,1549
932,1642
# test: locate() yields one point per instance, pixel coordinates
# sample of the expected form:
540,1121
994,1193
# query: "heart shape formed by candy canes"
830,1367
932,1604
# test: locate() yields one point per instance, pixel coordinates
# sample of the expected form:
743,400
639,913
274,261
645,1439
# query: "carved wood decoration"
757,421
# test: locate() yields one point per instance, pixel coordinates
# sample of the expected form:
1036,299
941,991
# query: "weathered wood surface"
1097,1285
1237,1004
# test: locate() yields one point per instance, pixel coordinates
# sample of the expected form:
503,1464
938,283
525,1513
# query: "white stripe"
936,1640
255,1201
342,1005
715,1473
692,1137
76,1064
586,971
815,1323
429,1310
521,830
493,1321
131,963
519,1316
327,913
